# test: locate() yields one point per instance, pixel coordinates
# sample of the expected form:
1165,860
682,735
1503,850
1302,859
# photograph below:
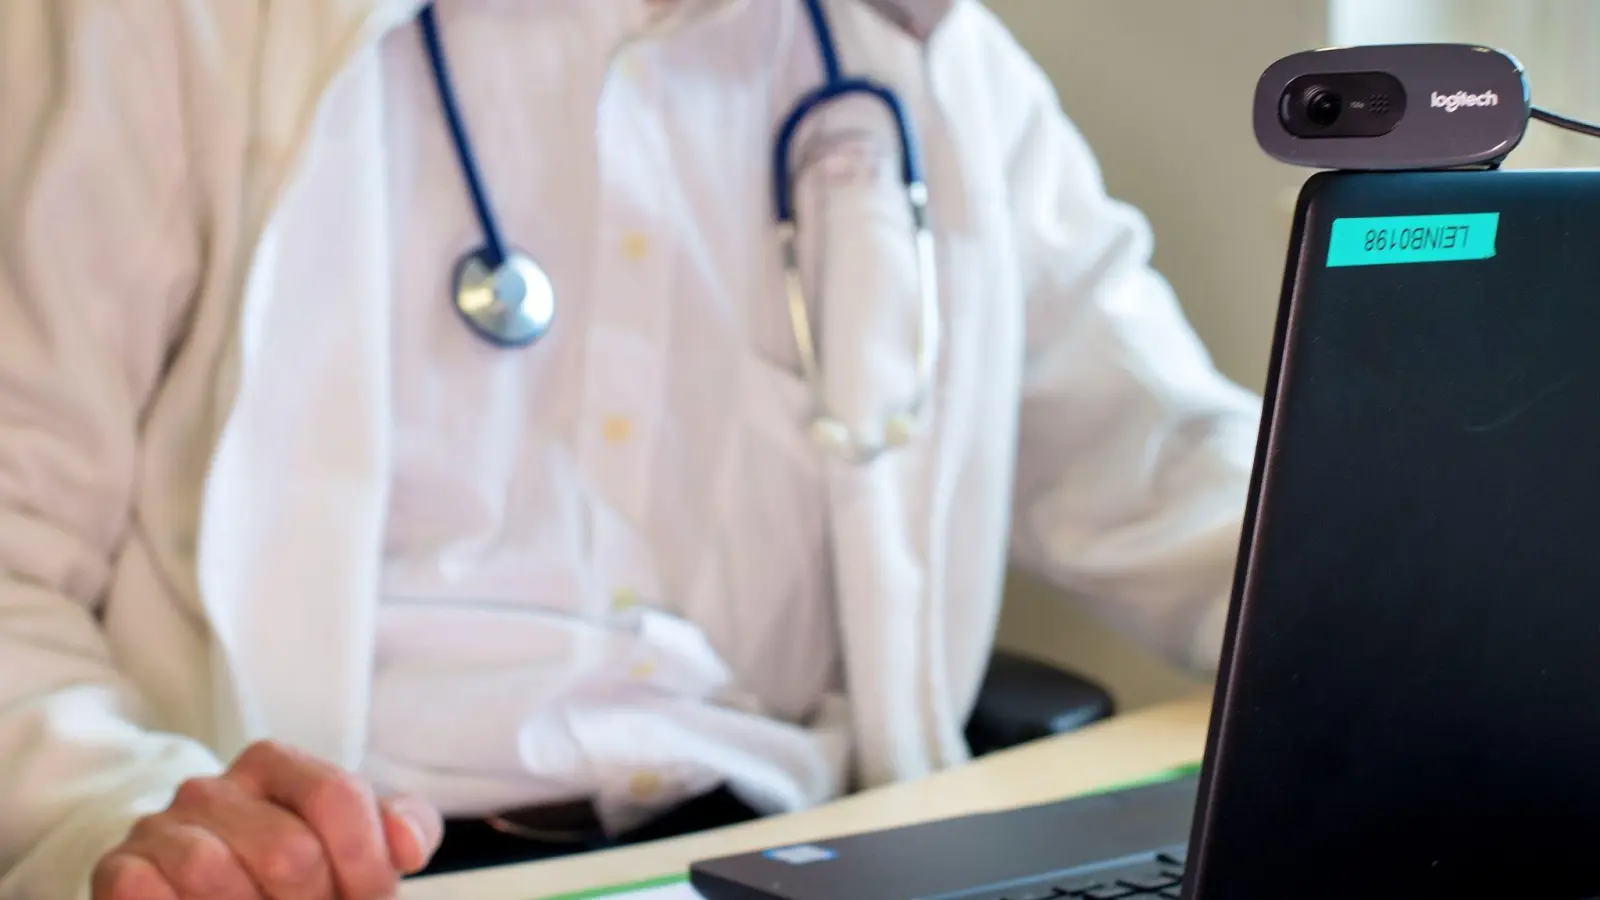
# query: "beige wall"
1162,89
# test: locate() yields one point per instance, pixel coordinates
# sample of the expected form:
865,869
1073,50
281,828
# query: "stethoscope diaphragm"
511,304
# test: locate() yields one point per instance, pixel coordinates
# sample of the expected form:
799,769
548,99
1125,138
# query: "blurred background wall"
1162,90
1555,40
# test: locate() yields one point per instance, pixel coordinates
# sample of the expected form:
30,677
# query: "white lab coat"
194,458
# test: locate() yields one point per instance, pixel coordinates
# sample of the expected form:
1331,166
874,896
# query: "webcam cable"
1560,121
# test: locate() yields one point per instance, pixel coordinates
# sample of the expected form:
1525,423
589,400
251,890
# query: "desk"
1120,750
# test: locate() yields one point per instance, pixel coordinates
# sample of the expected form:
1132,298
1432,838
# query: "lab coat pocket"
858,246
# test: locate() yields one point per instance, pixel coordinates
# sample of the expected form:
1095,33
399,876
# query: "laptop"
1409,699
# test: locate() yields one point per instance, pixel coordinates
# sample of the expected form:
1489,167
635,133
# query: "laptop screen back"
1411,699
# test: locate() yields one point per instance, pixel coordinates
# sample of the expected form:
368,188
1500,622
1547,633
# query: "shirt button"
644,785
623,600
616,429
635,246
642,671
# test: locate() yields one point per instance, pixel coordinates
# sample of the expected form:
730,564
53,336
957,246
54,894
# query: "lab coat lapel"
885,536
292,518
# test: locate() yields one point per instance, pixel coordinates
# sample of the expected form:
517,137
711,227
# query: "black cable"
1581,127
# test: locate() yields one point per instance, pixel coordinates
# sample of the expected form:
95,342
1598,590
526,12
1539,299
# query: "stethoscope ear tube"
901,425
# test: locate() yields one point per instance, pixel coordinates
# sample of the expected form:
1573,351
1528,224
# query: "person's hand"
278,825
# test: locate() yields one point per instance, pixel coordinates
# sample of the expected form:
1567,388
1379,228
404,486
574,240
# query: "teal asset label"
1412,239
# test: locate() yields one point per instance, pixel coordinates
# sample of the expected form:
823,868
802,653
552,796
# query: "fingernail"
419,819
416,833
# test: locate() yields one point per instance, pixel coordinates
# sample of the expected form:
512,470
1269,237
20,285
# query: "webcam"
1397,106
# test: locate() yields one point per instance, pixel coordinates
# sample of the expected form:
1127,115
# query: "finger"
414,829
338,807
124,877
196,863
281,853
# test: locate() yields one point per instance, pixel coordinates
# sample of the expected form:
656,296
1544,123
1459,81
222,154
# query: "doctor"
497,409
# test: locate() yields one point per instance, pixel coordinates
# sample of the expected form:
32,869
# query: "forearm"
78,762
96,790
99,249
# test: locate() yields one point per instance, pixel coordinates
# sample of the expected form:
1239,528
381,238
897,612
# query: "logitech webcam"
1398,106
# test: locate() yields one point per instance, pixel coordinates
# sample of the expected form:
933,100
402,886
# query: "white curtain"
1558,42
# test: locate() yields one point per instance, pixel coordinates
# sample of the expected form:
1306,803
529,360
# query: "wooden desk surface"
1124,749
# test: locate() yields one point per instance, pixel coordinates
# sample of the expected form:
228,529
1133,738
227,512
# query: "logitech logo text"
1453,102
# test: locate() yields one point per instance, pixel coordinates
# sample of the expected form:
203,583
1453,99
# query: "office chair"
1023,699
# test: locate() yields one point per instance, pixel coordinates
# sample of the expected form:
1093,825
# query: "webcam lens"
1322,106
1313,105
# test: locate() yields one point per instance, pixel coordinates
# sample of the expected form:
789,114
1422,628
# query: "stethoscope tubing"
495,248
494,281
835,86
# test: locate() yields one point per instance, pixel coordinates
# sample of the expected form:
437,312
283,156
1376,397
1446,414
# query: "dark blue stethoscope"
509,301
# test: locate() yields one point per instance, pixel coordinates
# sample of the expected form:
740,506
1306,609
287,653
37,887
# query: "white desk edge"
1123,749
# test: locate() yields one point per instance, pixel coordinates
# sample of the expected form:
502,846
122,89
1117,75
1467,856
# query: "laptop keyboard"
1156,876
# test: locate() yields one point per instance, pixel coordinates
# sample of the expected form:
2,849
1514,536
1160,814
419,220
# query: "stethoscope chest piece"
511,304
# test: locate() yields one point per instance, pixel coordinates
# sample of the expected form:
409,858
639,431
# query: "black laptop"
1409,703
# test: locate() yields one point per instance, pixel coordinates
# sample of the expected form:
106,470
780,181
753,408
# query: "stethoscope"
509,301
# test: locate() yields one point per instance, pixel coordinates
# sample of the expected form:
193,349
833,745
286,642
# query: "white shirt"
600,579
